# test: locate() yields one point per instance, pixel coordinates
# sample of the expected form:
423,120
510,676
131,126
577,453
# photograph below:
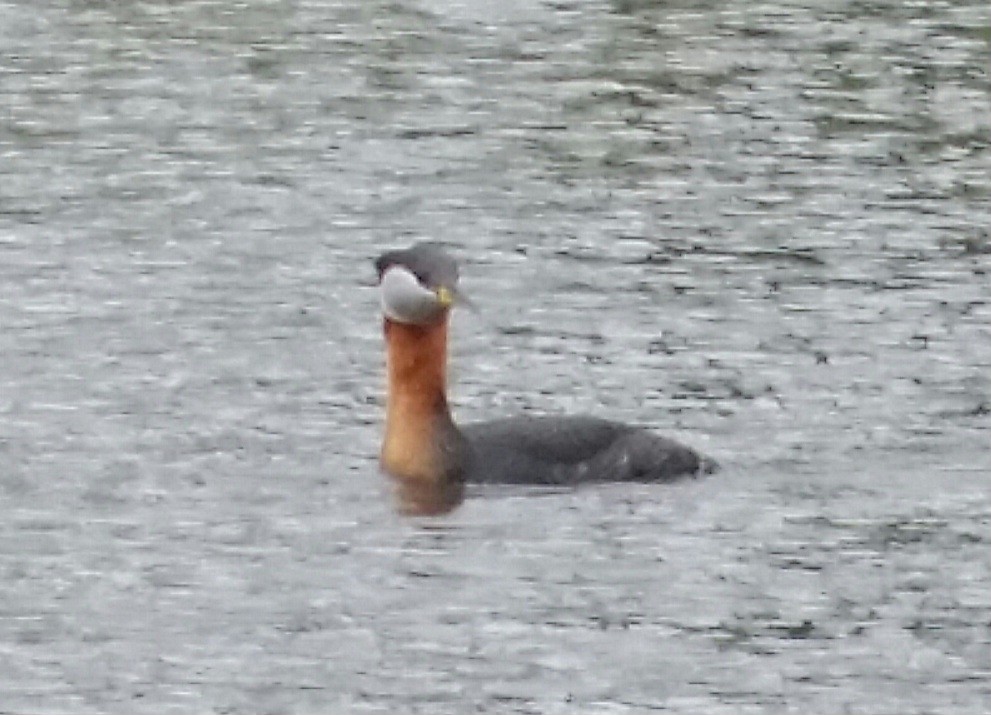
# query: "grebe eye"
421,277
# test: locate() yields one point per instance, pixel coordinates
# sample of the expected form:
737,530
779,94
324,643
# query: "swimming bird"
431,458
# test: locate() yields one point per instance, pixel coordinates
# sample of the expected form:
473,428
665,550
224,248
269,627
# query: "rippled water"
764,229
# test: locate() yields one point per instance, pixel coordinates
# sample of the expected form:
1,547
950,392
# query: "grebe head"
419,284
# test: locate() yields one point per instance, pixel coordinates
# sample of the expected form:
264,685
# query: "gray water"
761,228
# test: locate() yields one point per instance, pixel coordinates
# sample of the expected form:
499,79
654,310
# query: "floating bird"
431,458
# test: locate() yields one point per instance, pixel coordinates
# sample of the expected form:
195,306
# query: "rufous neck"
417,420
417,368
422,449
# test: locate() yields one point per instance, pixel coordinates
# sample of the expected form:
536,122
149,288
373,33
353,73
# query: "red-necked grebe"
431,458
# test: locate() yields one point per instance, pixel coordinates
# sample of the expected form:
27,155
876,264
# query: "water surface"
760,228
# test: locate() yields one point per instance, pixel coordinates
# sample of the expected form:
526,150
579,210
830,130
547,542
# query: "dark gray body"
573,450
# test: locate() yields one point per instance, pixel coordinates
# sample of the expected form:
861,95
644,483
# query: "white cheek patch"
405,300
